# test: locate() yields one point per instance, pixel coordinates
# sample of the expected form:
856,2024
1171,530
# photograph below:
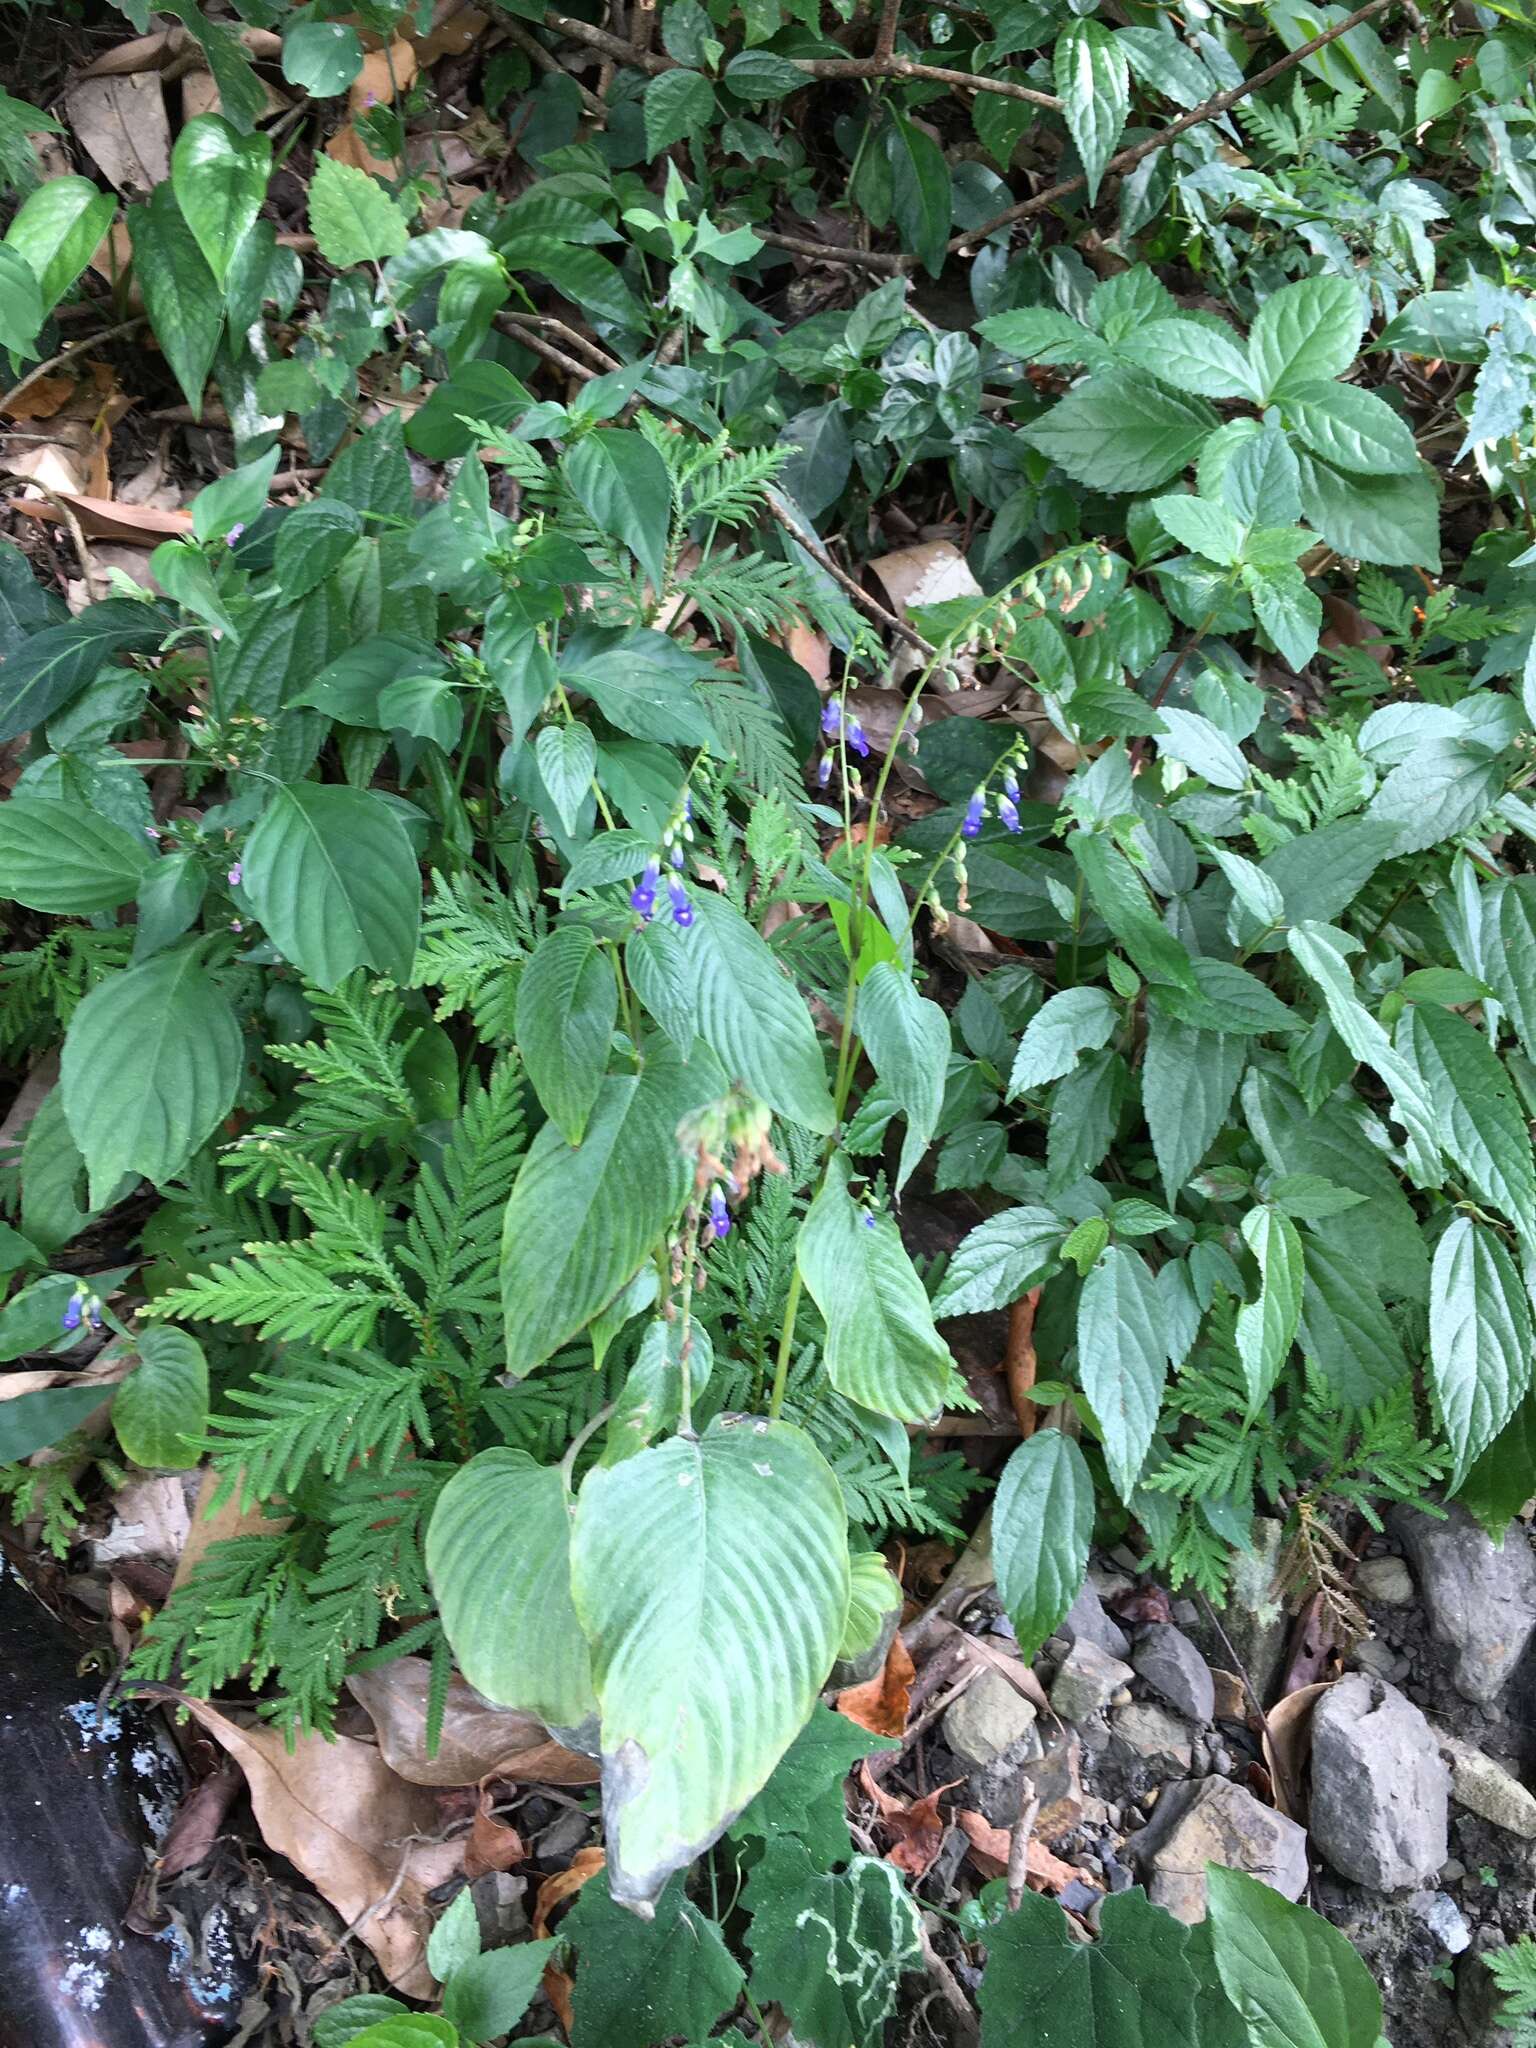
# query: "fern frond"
218,1624
1513,1969
323,1415
474,940
732,488
286,1292
453,1237
753,734
748,591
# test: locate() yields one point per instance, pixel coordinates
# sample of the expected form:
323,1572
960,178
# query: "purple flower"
682,909
73,1312
1008,811
234,533
678,858
719,1215
152,832
93,1311
642,897
823,771
831,717
975,811
687,808
869,1221
235,874
1011,782
857,739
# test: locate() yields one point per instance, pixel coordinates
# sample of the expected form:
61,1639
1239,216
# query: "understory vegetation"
517,927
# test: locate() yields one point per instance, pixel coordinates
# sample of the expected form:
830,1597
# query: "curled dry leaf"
454,30
1288,1746
123,123
109,519
492,1844
479,1740
364,1838
881,1703
105,1372
553,1892
989,1852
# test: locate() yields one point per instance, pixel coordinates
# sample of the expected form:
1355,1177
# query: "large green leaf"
1131,1988
830,1948
31,1422
1481,1123
1119,896
162,1407
1067,1024
567,1004
330,872
58,858
499,1557
57,230
1480,1338
1266,1326
21,303
186,307
582,1219
1094,82
1345,1329
711,1576
486,1996
623,483
882,1349
220,179
1118,431
1393,520
920,191
1122,1359
1294,1979
642,1981
1353,429
907,1037
352,217
1042,1520
151,1064
1305,332
1188,1079
750,1014
1509,951
1000,1260
56,664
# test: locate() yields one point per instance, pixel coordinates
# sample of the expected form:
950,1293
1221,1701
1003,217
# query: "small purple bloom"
235,925
678,858
869,1221
975,811
687,808
93,1311
831,718
1008,811
235,874
73,1311
824,771
234,533
719,1215
642,897
857,739
152,832
1011,782
682,908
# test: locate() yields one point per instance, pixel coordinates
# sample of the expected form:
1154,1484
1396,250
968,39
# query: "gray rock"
1386,1580
1216,1822
1480,1599
1439,1912
987,1720
1169,1662
1086,1620
1487,1789
1151,1731
1088,1680
1380,1793
1376,1657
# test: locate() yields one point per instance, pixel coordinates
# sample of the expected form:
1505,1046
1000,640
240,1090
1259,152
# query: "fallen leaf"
150,1518
1141,1603
40,400
478,1740
108,519
105,1372
990,1847
455,28
916,1824
364,1838
1287,1739
554,1891
200,1820
229,1519
122,122
881,1703
492,1845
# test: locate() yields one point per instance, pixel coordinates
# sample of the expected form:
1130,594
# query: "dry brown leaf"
492,1845
881,1703
229,1519
123,124
150,53
365,1839
105,1372
1287,1737
558,1985
989,1852
478,1741
453,31
813,651
930,573
917,1825
200,1820
109,519
40,400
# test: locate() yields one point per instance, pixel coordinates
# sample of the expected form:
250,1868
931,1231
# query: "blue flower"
1011,782
857,739
642,897
74,1311
831,718
678,858
1008,811
682,908
824,771
719,1215
975,811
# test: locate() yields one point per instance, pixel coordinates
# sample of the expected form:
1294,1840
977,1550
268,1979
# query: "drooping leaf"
330,872
1094,83
1266,1327
1294,1979
220,179
623,483
920,191
567,1004
1481,1123
1480,1338
1122,1359
1000,1260
907,1037
186,307
1188,1079
1042,1520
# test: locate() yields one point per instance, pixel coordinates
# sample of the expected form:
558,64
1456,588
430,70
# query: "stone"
1086,1618
1231,1699
1169,1662
1439,1912
1487,1789
1255,1620
1216,1821
1385,1580
989,1719
1376,1657
1480,1599
1088,1680
1380,1794
1151,1731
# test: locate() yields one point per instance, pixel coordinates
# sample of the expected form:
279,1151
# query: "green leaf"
1192,356
750,1014
1067,1024
567,758
1480,1339
186,307
32,1422
1353,429
758,75
882,1349
412,2030
1345,1329
321,57
1261,482
1208,528
1294,1979
1131,1988
582,1220
1290,613
1266,1328
1122,1359
921,197
499,1558
676,103
830,1948
1093,80
1201,745
21,302
1391,520
818,469
1504,1477
1510,963
804,1796
341,2024
351,216
1481,1123
162,1407
641,1981
1042,1521
455,1937
57,230
313,540
151,1064
619,479
1304,333
220,179
487,1996
1119,896
711,1576
1042,334
330,872
567,1005
54,665
907,1037
1120,431
57,857
998,1261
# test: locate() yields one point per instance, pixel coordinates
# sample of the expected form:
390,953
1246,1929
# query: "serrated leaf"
623,483
1266,1327
882,1349
804,1796
1353,429
330,872
1201,744
1345,1328
1192,356
1290,613
641,1981
1067,1024
351,216
151,1064
1198,523
1000,1260
1480,1339
567,758
711,1576
1294,1979
1042,1521
57,857
1118,431
1122,1359
487,1996
1119,895
1481,1123
1391,520
1510,947
339,2025
675,103
830,1948
920,191
567,1005
907,1037
220,179
162,1407
1305,332
1094,82
499,1558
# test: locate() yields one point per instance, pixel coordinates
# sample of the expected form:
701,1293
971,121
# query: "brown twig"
1020,1362
35,376
834,252
1209,111
547,323
804,538
550,65
530,338
1018,1846
885,39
